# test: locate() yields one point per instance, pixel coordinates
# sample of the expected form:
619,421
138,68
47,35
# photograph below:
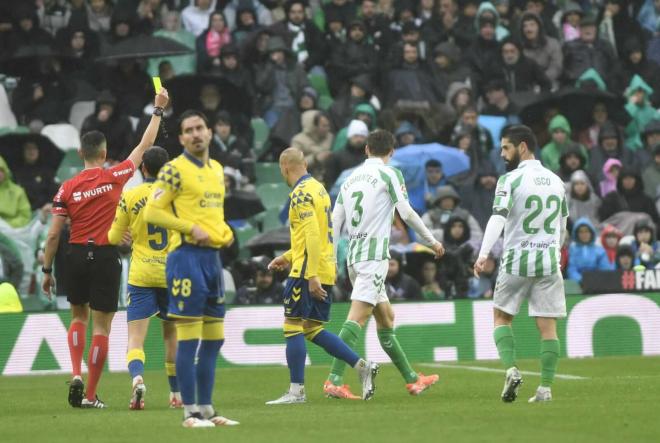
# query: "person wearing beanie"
352,155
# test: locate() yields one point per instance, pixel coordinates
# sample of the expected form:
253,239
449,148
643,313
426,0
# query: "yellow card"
157,85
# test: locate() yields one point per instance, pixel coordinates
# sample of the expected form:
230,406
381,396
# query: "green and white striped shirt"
368,197
533,201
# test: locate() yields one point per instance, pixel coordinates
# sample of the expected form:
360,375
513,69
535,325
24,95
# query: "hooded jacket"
586,207
651,176
308,140
599,156
586,256
117,129
580,56
565,172
647,260
500,31
14,204
611,252
402,286
524,75
456,71
641,114
545,50
551,153
483,56
436,218
608,183
634,200
342,136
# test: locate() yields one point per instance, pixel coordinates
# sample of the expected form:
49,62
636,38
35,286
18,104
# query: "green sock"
549,358
506,345
391,346
350,333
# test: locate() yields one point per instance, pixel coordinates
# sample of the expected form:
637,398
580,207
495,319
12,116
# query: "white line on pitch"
501,371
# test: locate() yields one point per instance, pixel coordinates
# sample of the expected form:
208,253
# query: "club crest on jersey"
77,196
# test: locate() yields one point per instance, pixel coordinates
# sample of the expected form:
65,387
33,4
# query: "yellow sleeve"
157,211
120,223
309,224
288,255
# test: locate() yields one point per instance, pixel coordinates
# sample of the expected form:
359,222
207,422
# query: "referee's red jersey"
90,198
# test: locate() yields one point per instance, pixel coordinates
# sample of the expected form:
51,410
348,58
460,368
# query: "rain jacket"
641,114
14,204
611,252
308,141
634,200
608,184
341,139
545,50
551,153
586,256
587,207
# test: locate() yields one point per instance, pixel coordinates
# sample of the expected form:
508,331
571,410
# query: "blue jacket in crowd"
586,257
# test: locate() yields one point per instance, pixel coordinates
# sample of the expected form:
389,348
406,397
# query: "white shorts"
368,279
546,294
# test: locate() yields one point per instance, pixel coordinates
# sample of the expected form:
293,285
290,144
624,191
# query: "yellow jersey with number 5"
311,253
150,242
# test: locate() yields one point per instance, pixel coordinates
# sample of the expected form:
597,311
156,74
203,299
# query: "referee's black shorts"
93,278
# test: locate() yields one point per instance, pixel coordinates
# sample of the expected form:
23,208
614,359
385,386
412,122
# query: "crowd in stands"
320,74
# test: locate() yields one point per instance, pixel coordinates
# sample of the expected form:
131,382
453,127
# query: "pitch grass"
618,402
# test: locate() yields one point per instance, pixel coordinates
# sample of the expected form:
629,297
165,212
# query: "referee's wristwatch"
158,111
46,270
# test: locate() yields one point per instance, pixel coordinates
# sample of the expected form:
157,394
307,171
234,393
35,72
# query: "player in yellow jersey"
147,291
306,295
188,199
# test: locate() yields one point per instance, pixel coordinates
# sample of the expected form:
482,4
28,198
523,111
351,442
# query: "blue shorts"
145,303
298,302
194,283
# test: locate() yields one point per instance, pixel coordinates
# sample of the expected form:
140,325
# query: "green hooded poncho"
552,152
14,204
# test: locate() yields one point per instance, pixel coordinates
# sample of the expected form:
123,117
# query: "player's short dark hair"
380,142
154,158
191,113
91,144
433,163
521,133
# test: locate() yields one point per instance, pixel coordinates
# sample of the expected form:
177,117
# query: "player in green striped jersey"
530,205
365,207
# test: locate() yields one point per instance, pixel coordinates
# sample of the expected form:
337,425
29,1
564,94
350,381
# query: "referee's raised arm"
149,136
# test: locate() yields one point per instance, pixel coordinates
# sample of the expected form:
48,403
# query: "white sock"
189,410
207,411
297,388
77,377
361,364
137,379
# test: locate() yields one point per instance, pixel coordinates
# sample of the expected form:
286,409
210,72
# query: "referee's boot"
97,403
76,391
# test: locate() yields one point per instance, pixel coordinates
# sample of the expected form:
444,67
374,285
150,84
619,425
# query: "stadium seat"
267,173
268,220
261,133
325,102
63,135
71,165
273,195
320,84
79,112
245,233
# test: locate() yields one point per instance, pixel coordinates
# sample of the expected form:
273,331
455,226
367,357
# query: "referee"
93,272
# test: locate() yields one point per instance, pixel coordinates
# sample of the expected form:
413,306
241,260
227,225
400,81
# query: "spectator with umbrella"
172,29
560,131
